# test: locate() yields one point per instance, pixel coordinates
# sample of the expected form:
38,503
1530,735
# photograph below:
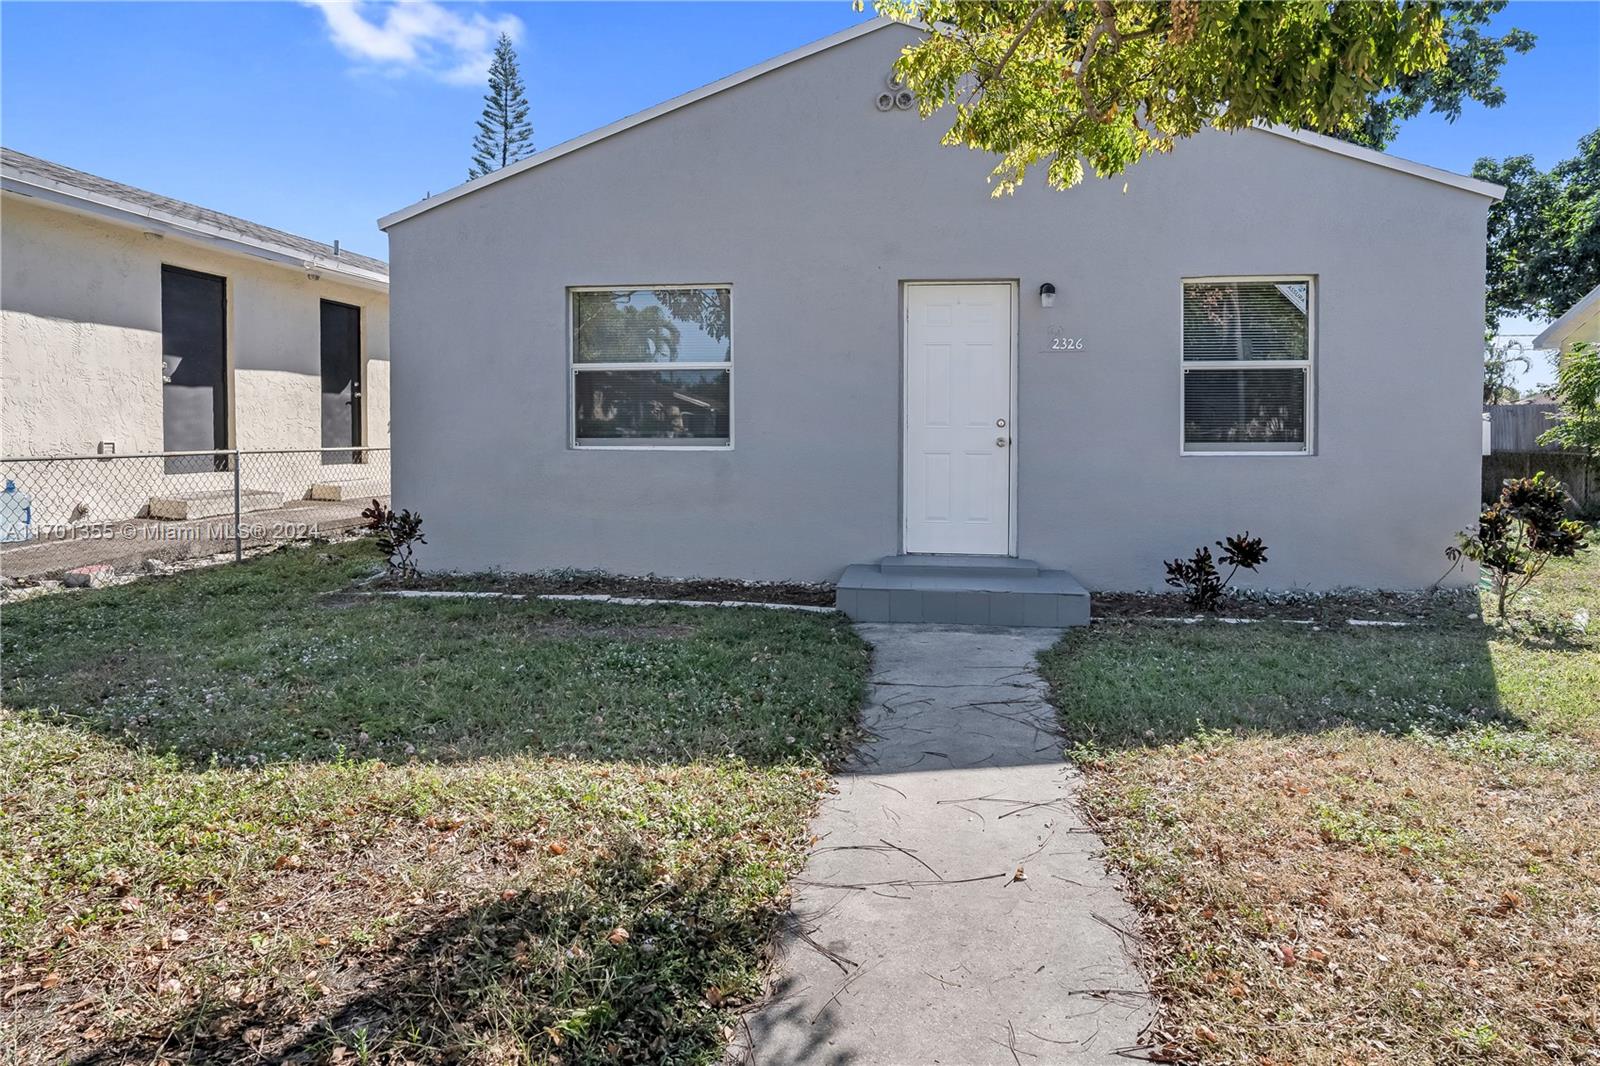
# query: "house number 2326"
1066,344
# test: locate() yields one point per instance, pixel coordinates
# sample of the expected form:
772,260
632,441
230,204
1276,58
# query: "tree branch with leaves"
1544,237
1470,72
1108,82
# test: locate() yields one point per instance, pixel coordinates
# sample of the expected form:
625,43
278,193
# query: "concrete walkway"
912,940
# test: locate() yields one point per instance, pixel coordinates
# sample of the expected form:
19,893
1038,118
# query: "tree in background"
1544,237
1498,360
1106,82
504,132
1470,72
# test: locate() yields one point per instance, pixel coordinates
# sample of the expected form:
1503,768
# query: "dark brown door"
341,381
194,361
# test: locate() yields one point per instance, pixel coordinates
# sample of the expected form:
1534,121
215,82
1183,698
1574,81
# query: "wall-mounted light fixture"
1047,295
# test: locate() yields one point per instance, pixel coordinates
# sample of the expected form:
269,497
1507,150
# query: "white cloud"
452,44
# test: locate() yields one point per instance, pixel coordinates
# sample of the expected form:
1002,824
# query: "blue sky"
318,121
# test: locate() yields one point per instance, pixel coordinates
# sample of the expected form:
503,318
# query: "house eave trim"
1389,162
139,216
1561,330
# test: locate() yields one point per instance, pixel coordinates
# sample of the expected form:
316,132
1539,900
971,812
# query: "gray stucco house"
772,329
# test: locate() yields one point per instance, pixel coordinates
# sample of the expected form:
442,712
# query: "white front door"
958,418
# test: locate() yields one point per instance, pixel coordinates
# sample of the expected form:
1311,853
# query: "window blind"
1242,320
1248,407
1247,369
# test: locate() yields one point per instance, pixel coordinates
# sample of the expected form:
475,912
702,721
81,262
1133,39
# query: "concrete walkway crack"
955,908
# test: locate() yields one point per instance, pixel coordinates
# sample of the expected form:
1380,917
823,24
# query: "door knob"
999,442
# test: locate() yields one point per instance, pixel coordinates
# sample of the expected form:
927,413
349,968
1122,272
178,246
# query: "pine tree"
504,133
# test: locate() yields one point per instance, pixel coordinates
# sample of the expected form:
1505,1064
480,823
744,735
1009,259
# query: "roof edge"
833,40
141,216
1383,159
1557,333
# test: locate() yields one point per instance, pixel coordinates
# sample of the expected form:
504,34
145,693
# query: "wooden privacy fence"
1515,427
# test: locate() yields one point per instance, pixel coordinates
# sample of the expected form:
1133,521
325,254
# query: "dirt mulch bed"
593,583
1439,606
1444,606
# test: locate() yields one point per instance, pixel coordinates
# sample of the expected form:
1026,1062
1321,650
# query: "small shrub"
398,534
1518,534
1198,577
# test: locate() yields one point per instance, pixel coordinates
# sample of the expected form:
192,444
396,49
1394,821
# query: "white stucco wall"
376,386
65,384
80,346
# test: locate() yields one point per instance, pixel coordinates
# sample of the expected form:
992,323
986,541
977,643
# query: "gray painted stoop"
981,590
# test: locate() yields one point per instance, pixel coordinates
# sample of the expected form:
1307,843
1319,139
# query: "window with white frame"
652,367
1247,364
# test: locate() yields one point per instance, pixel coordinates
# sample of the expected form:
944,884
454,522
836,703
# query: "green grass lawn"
247,811
1357,845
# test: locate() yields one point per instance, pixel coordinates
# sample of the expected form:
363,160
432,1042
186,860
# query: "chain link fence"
58,513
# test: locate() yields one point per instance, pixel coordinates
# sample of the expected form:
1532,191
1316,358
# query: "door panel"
341,380
957,492
194,359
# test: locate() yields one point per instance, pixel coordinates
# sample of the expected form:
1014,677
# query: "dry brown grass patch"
1357,845
1362,899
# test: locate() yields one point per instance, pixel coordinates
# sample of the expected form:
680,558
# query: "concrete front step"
964,590
951,565
359,489
211,504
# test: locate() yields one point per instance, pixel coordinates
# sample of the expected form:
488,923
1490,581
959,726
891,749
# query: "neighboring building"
135,323
141,322
772,328
1580,323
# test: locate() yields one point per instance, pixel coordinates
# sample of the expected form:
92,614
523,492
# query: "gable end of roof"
665,107
1314,140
